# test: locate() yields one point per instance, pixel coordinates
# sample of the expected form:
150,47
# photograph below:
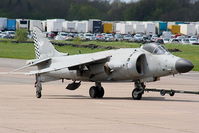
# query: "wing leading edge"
59,66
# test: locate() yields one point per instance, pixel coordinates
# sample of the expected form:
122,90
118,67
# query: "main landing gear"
138,91
38,86
96,91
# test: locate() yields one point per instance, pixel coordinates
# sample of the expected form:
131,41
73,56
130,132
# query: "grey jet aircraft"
139,65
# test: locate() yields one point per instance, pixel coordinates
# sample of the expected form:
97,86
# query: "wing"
31,63
73,64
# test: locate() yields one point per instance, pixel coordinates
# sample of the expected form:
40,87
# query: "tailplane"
43,47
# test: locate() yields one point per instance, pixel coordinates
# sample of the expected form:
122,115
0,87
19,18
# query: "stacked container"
161,26
188,29
22,24
175,29
82,26
95,26
35,23
126,29
69,26
3,23
108,27
139,28
11,25
54,25
149,28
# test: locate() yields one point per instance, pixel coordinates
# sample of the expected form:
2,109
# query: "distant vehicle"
7,35
100,37
109,37
159,40
50,35
11,34
185,41
72,35
174,40
180,37
128,37
153,38
166,34
89,36
147,38
1,34
118,37
29,36
63,36
138,38
81,36
166,40
194,37
193,41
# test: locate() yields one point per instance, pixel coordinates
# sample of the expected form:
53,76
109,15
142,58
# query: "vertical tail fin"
43,47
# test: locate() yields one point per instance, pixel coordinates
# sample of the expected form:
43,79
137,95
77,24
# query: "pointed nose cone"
183,66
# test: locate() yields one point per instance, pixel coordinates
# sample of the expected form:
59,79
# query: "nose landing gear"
138,91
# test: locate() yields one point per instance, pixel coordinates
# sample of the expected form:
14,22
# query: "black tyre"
38,94
171,93
136,95
100,92
93,92
162,92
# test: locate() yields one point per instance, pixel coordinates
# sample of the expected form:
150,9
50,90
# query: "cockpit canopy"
155,48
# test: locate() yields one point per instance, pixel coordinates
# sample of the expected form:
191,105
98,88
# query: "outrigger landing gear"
171,92
96,91
38,87
138,91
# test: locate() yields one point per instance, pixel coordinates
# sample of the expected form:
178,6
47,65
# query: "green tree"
21,35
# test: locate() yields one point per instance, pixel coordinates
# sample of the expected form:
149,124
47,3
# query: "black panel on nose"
183,66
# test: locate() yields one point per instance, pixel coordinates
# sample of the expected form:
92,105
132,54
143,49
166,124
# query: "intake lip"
183,66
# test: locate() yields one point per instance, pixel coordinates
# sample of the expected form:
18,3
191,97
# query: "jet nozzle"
183,66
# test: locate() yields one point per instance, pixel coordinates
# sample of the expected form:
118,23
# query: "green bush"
21,35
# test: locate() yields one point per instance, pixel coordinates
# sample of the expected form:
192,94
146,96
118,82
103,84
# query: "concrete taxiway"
61,110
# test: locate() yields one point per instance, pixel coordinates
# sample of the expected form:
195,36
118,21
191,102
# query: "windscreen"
155,48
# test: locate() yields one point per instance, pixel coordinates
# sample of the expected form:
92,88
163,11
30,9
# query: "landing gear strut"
38,87
138,91
96,91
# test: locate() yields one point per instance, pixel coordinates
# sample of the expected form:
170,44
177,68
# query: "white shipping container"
118,27
69,26
138,28
44,25
126,29
3,23
197,29
22,24
82,26
150,28
188,29
54,25
35,23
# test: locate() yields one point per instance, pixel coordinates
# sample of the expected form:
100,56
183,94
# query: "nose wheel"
136,94
138,91
96,91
